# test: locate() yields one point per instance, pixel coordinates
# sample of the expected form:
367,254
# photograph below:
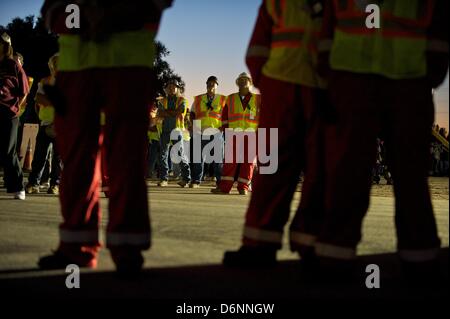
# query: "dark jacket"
13,87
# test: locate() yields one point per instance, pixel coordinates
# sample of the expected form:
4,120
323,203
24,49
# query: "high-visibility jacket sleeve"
438,44
259,48
326,38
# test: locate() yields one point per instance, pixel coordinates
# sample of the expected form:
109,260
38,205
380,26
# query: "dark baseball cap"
213,78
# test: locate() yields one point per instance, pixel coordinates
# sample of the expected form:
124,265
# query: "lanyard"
209,103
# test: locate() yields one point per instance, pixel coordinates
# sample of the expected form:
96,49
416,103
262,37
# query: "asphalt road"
191,230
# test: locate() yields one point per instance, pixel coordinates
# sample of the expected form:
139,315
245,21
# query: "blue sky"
206,37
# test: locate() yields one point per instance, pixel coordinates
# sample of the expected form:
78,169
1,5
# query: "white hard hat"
244,75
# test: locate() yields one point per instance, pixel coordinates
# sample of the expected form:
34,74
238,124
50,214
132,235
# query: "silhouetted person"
106,65
282,58
382,79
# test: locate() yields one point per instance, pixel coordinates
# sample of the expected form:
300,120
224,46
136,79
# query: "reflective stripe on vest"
123,49
395,50
240,118
209,118
293,50
179,102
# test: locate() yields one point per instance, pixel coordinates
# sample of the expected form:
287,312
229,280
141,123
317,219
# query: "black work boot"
422,274
251,257
309,263
58,260
128,260
336,271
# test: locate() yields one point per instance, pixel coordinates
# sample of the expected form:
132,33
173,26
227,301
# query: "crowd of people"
439,152
330,85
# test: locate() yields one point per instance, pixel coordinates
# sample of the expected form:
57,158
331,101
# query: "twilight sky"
206,37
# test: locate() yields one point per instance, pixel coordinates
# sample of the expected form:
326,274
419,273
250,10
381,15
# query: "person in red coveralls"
240,114
282,58
381,80
106,64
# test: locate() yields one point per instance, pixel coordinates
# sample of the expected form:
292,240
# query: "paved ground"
192,228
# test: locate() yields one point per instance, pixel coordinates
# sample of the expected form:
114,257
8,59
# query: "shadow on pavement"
216,282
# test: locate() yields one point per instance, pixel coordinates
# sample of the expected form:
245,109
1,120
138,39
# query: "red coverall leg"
403,111
242,171
289,108
124,93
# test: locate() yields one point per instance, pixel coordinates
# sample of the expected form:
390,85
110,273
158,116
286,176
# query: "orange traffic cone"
28,158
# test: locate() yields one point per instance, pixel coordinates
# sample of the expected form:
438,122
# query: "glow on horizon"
207,37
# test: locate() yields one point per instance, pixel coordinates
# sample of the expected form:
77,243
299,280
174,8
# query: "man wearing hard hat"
240,116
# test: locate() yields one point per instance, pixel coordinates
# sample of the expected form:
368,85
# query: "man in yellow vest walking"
207,112
381,80
240,116
106,64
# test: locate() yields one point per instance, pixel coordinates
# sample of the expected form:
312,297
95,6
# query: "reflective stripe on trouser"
125,96
272,194
379,103
418,255
128,239
262,235
299,239
333,251
242,172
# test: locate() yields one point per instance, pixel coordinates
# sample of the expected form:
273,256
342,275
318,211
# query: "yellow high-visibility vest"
293,52
396,50
179,102
210,118
46,113
122,49
240,118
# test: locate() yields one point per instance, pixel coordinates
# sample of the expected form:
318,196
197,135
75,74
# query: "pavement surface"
191,230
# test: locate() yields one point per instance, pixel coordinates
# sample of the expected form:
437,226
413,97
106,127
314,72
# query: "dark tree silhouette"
163,69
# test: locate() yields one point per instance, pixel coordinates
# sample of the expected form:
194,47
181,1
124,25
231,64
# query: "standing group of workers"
329,83
210,114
